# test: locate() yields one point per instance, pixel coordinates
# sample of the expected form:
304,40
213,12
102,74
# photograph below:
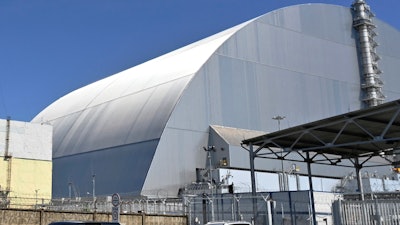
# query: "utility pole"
7,156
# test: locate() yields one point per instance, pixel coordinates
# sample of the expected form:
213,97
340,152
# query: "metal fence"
140,205
23,202
168,206
271,208
368,212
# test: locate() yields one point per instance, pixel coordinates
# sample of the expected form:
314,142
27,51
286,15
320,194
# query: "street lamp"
279,118
94,186
94,190
210,168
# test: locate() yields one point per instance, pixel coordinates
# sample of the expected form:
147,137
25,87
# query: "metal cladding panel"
251,101
178,153
73,102
131,106
126,109
386,36
119,169
302,70
390,58
27,140
232,136
117,122
63,125
328,22
190,110
300,62
164,69
297,51
180,150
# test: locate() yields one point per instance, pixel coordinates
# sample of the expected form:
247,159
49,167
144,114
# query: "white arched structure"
144,129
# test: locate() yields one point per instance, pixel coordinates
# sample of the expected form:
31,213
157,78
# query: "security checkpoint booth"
367,138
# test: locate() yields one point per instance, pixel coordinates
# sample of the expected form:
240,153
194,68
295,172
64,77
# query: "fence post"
41,216
365,216
143,218
337,212
377,216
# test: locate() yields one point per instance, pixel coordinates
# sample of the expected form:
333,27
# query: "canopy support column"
253,181
358,167
309,160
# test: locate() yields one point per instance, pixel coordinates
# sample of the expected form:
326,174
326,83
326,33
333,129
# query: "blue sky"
49,48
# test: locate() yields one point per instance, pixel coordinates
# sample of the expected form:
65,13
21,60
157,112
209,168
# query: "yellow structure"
25,164
396,169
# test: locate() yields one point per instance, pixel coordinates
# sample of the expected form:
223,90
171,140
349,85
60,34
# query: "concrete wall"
30,180
26,140
42,217
26,165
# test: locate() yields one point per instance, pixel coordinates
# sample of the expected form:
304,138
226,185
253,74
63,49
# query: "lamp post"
94,186
70,190
36,193
94,190
283,185
210,167
278,118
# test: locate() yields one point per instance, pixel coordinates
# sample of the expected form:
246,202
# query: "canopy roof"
364,133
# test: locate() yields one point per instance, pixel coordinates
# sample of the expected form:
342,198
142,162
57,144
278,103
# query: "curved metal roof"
140,99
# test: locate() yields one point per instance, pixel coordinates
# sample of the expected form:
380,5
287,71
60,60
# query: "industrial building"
156,128
25,163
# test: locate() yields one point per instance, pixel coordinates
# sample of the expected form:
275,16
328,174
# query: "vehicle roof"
228,222
83,222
